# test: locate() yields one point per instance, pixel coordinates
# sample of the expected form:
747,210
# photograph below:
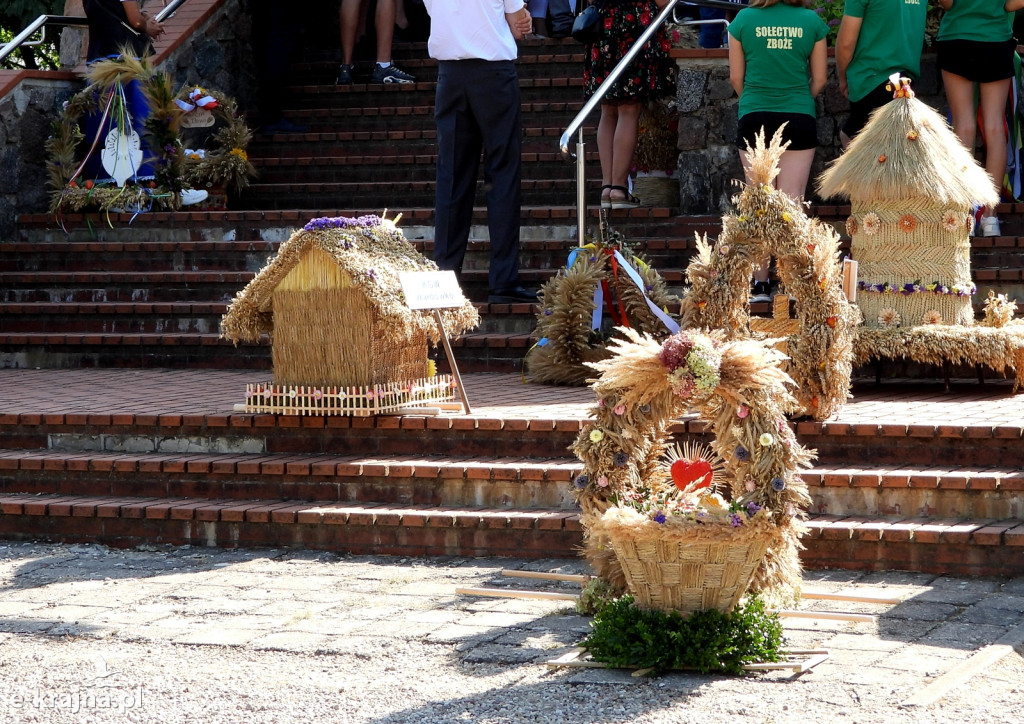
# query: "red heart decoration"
690,472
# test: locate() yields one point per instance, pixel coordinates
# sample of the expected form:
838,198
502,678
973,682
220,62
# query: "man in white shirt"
477,108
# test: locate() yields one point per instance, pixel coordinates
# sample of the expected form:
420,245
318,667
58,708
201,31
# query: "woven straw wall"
333,337
910,241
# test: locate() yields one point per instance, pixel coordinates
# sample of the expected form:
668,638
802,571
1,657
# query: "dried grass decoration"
602,285
807,252
69,191
912,185
226,163
332,302
660,516
656,155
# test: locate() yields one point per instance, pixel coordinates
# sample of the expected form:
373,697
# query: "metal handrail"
45,21
576,125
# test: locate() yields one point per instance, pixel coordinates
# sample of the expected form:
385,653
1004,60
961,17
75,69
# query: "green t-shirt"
890,40
982,20
777,43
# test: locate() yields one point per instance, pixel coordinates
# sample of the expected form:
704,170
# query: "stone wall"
708,157
217,56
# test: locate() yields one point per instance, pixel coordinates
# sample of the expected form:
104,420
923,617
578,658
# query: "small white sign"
198,118
431,290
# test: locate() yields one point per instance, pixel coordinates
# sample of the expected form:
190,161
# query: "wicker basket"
684,567
689,577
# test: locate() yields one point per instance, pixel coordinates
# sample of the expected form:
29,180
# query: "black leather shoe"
512,295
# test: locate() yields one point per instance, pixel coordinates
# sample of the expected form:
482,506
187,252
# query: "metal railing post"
594,100
581,190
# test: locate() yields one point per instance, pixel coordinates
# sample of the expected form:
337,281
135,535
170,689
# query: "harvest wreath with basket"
694,528
225,164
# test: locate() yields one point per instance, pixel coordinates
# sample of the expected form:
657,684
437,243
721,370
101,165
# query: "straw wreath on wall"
603,284
69,190
226,163
769,222
639,494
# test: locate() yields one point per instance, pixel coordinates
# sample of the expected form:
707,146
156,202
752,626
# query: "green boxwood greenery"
625,636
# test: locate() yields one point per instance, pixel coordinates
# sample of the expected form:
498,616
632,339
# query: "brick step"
499,482
536,139
186,317
643,220
969,547
923,491
949,547
120,256
562,62
531,90
150,286
397,169
96,349
545,431
337,169
402,118
377,529
383,195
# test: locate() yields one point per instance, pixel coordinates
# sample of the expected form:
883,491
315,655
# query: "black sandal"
606,203
628,202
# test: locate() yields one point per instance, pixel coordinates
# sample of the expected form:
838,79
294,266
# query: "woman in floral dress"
650,75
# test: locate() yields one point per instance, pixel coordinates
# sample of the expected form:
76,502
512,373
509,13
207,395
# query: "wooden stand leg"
451,363
981,374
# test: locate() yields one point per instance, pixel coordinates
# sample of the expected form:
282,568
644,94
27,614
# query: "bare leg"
960,94
385,23
993,118
401,19
606,143
349,17
794,170
624,144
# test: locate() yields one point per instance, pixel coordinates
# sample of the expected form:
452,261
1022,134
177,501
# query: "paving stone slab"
967,636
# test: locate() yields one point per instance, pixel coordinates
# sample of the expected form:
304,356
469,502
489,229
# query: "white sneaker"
193,196
990,226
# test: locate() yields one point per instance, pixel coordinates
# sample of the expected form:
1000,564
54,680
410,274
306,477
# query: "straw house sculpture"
343,339
819,342
912,186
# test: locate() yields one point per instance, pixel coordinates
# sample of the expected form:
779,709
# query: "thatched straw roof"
368,252
908,151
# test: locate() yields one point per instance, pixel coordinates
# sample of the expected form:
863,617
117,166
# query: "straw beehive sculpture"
343,339
912,186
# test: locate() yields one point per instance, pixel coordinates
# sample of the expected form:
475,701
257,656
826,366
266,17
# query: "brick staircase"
148,446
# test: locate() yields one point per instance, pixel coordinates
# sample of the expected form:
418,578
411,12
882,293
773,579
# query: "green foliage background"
14,16
625,636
